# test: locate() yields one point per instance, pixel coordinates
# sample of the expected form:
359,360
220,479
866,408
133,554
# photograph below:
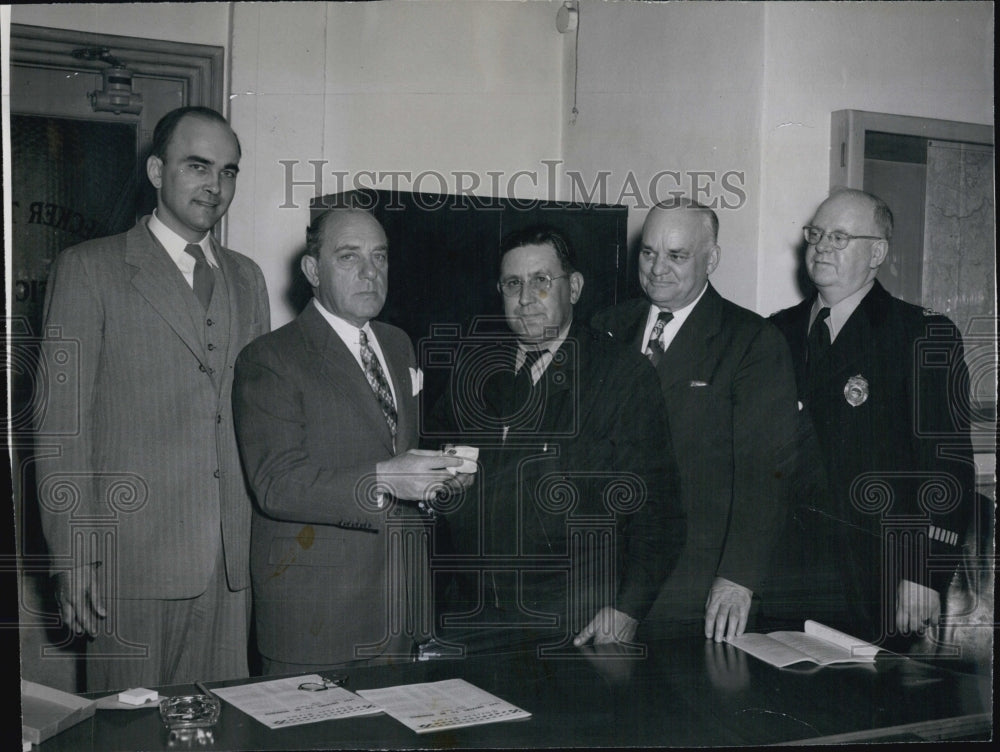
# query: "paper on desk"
437,706
280,703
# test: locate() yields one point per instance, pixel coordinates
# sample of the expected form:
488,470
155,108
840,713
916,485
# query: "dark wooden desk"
687,692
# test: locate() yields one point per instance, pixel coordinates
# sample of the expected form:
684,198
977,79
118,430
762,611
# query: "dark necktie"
378,383
655,346
204,279
530,358
819,338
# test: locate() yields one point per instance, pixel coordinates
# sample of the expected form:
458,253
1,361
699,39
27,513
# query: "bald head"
678,252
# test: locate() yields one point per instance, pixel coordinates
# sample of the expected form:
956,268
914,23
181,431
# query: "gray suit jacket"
137,463
311,433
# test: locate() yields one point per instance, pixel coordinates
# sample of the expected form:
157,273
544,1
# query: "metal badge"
856,390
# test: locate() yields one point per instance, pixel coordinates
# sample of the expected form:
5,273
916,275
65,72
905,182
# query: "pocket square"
698,383
417,380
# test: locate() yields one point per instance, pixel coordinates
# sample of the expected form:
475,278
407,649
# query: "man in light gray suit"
143,502
326,416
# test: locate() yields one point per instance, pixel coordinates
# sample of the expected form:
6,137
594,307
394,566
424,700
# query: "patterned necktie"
655,346
378,383
819,338
530,358
204,279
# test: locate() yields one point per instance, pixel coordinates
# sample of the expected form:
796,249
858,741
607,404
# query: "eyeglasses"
538,283
838,239
334,681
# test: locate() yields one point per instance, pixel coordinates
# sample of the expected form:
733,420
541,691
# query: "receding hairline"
709,217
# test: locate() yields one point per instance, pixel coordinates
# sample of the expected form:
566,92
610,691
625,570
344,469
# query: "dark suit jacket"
311,433
730,394
904,451
583,447
142,428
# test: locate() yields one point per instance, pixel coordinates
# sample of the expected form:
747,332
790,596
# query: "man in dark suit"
575,516
143,501
727,379
885,384
326,416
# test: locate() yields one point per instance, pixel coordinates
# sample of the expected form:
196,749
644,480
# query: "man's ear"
154,171
310,268
575,286
880,249
713,258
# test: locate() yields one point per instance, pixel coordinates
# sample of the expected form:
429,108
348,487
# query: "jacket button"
202,369
218,418
211,346
216,473
209,322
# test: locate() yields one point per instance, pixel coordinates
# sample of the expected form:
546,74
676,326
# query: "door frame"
199,67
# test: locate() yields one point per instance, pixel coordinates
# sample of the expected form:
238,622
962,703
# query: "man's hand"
917,607
81,602
419,474
726,610
609,625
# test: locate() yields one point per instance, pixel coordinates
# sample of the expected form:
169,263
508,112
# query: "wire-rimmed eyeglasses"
512,286
337,680
838,239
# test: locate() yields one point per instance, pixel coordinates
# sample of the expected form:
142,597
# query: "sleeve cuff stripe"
945,536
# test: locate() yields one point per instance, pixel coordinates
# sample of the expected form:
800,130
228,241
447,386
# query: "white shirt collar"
174,245
543,362
841,312
671,329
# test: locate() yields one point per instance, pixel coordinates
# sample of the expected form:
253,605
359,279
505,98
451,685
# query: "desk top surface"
689,692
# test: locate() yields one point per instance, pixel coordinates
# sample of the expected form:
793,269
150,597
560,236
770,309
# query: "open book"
816,644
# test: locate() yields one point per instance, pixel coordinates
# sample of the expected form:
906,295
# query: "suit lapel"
689,348
342,371
239,291
854,342
155,279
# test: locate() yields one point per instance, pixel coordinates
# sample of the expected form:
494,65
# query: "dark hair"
316,228
541,235
165,128
682,202
881,212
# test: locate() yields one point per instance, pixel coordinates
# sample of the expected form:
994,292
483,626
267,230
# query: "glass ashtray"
189,711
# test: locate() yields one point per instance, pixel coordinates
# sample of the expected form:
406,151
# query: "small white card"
469,455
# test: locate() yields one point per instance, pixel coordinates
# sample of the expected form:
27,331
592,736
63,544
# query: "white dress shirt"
673,326
348,333
174,245
840,313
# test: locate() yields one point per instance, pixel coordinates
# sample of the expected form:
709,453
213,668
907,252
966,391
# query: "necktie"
530,358
655,346
204,280
378,383
819,338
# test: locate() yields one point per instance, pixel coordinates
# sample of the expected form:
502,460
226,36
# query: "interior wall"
674,87
909,58
194,23
437,96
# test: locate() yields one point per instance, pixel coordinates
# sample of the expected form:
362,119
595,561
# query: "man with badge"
883,382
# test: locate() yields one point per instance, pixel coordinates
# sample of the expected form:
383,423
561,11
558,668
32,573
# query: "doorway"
76,173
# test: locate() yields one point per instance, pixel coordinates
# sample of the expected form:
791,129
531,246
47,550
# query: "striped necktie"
654,345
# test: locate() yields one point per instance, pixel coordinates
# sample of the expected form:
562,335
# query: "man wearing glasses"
879,378
729,389
574,519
